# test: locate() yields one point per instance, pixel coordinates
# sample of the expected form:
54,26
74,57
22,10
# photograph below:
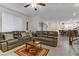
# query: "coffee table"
33,44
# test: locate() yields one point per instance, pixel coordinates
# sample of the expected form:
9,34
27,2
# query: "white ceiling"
52,11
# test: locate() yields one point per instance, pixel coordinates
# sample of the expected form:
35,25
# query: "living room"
41,29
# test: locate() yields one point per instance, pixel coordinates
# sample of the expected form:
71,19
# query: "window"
11,22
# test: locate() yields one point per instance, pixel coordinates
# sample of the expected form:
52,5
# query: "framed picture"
26,25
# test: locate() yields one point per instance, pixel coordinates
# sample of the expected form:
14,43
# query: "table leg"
26,46
40,46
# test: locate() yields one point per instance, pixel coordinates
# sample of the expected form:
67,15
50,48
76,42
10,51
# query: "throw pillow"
23,34
8,36
30,34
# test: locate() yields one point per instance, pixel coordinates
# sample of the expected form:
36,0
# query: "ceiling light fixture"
34,5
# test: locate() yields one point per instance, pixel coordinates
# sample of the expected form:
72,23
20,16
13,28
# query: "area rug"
36,51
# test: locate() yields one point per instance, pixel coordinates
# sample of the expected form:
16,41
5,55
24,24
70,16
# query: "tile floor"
63,49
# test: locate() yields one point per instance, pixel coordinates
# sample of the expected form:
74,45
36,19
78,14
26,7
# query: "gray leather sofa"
49,38
19,38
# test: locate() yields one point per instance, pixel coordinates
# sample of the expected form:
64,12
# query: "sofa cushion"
50,39
42,38
2,41
13,41
8,36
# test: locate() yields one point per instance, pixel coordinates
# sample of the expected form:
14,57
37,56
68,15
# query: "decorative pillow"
8,36
30,34
23,34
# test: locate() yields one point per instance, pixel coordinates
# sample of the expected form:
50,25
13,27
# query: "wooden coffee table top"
33,43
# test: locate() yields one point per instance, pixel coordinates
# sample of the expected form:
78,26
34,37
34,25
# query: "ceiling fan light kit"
34,5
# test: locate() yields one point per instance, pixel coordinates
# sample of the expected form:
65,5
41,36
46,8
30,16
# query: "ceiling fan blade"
27,5
42,4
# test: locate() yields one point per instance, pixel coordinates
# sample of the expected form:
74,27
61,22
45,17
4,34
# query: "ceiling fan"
34,5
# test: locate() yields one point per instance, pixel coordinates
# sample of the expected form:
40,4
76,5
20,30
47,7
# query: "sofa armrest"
3,46
2,41
12,41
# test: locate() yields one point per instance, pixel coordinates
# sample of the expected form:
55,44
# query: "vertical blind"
11,22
